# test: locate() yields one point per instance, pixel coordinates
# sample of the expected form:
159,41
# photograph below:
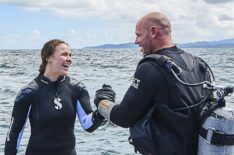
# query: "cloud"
34,39
192,20
73,36
217,1
105,9
35,35
225,18
127,11
8,38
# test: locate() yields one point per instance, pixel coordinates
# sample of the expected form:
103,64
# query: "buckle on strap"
215,137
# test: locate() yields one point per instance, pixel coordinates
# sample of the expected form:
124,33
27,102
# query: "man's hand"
105,93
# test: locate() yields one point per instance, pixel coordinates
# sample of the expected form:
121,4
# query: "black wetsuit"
174,132
51,108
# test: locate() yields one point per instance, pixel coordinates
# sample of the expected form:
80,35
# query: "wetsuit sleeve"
138,98
88,120
19,115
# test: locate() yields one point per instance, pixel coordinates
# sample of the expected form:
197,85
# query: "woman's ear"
48,59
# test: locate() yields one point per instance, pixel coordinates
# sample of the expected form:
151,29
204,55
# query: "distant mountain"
124,45
209,44
202,44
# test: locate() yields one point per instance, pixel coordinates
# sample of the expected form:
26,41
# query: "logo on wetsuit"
58,103
135,83
8,133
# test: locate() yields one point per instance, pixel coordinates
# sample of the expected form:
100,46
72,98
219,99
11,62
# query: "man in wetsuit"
51,101
174,131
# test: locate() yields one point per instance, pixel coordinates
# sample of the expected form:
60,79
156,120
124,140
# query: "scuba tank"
216,133
216,121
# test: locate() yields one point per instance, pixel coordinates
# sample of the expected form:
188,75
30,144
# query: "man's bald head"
158,19
153,32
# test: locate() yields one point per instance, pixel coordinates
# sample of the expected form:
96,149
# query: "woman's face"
59,62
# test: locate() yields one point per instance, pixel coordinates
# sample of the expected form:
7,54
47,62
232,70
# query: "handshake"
105,93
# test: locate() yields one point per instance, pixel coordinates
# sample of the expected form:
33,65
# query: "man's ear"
154,31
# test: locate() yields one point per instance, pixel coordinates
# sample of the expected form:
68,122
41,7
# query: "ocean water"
94,67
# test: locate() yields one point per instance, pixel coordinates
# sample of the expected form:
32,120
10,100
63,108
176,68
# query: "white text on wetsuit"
135,83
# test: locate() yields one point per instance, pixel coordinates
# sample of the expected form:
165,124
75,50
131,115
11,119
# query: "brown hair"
48,50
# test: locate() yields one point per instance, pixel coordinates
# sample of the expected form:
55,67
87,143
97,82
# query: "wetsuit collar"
47,81
169,50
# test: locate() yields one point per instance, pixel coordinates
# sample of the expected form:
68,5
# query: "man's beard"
149,51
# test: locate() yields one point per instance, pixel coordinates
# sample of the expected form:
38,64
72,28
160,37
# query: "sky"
26,24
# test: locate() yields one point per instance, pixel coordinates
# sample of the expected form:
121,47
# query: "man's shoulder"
148,69
153,60
146,65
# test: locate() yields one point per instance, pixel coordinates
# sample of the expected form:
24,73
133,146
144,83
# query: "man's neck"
164,42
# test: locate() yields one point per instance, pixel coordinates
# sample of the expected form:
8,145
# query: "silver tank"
221,120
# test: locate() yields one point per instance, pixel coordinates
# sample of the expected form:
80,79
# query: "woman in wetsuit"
51,101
